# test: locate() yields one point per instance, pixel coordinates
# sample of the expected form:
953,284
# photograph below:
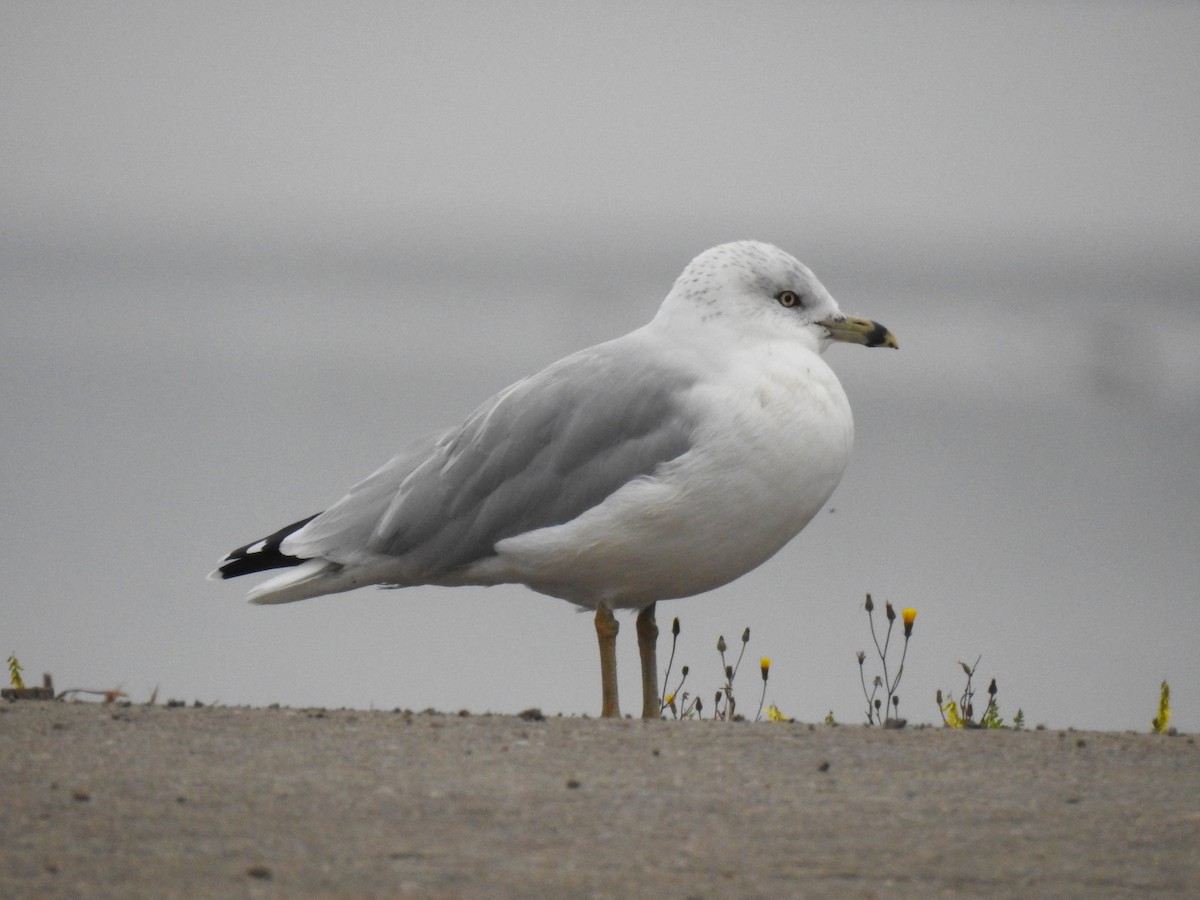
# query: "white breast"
776,438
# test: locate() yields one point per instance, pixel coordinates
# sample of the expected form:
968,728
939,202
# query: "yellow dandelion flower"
765,665
909,615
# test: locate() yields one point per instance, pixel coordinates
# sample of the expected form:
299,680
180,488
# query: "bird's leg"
606,632
647,632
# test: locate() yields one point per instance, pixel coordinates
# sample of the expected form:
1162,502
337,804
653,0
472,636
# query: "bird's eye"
788,299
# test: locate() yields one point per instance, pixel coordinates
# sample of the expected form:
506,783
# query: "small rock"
406,854
260,872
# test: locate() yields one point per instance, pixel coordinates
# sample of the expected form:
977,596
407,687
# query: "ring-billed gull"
658,465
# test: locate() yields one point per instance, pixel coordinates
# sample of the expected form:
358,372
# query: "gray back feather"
538,454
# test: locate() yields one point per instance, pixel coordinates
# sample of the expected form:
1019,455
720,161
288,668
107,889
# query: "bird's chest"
768,448
781,437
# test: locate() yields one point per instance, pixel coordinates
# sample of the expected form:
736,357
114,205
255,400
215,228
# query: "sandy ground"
154,801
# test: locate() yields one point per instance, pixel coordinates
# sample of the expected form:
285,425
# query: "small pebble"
261,872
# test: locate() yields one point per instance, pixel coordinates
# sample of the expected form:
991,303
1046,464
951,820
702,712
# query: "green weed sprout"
668,699
880,711
683,706
730,673
1159,723
961,714
14,672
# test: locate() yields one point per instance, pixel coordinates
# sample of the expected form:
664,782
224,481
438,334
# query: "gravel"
151,801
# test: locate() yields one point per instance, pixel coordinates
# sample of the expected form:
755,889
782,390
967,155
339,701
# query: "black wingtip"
261,555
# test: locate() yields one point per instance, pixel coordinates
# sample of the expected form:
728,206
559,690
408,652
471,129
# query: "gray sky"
247,252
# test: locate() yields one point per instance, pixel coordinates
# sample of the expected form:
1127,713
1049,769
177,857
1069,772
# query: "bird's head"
753,282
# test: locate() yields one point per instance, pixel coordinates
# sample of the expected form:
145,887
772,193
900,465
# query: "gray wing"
538,454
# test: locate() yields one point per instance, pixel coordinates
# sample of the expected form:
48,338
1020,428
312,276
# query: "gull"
655,466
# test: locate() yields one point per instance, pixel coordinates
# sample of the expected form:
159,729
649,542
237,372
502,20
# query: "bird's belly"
746,488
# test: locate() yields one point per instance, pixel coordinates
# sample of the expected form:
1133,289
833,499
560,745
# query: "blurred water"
1024,475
